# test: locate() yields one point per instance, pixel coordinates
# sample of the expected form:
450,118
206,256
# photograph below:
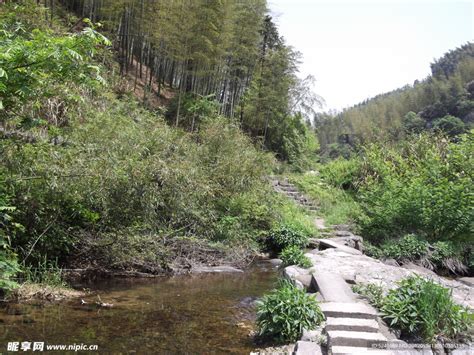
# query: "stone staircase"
351,325
291,191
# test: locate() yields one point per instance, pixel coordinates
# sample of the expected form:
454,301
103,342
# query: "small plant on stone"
285,312
424,309
286,236
371,291
293,255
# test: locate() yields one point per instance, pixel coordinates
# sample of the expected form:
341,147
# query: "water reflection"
210,313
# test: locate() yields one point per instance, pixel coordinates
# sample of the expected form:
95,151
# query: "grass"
336,205
294,215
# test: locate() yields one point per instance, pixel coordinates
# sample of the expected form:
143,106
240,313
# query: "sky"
360,48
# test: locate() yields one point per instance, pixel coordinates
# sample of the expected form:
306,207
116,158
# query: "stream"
193,314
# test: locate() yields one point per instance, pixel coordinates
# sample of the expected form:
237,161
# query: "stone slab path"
349,322
352,326
292,192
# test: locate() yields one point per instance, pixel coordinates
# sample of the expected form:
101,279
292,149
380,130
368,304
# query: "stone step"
340,350
307,348
352,324
328,243
332,287
348,310
355,339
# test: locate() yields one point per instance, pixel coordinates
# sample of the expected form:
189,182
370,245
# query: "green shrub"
342,173
373,293
422,186
450,125
286,236
373,251
293,255
409,247
285,312
441,255
125,168
423,308
413,123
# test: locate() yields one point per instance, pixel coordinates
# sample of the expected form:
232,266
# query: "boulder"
296,275
415,267
276,262
332,287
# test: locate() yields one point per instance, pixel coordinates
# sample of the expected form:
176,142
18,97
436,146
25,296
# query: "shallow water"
199,314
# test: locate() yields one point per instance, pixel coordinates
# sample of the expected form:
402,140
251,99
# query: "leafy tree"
31,62
450,125
412,123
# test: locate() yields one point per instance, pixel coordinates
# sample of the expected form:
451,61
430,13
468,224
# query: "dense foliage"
91,177
293,255
286,236
423,308
286,311
421,186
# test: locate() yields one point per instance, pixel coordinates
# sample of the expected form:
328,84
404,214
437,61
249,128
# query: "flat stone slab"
355,339
298,276
352,324
307,348
332,287
328,243
348,310
339,350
